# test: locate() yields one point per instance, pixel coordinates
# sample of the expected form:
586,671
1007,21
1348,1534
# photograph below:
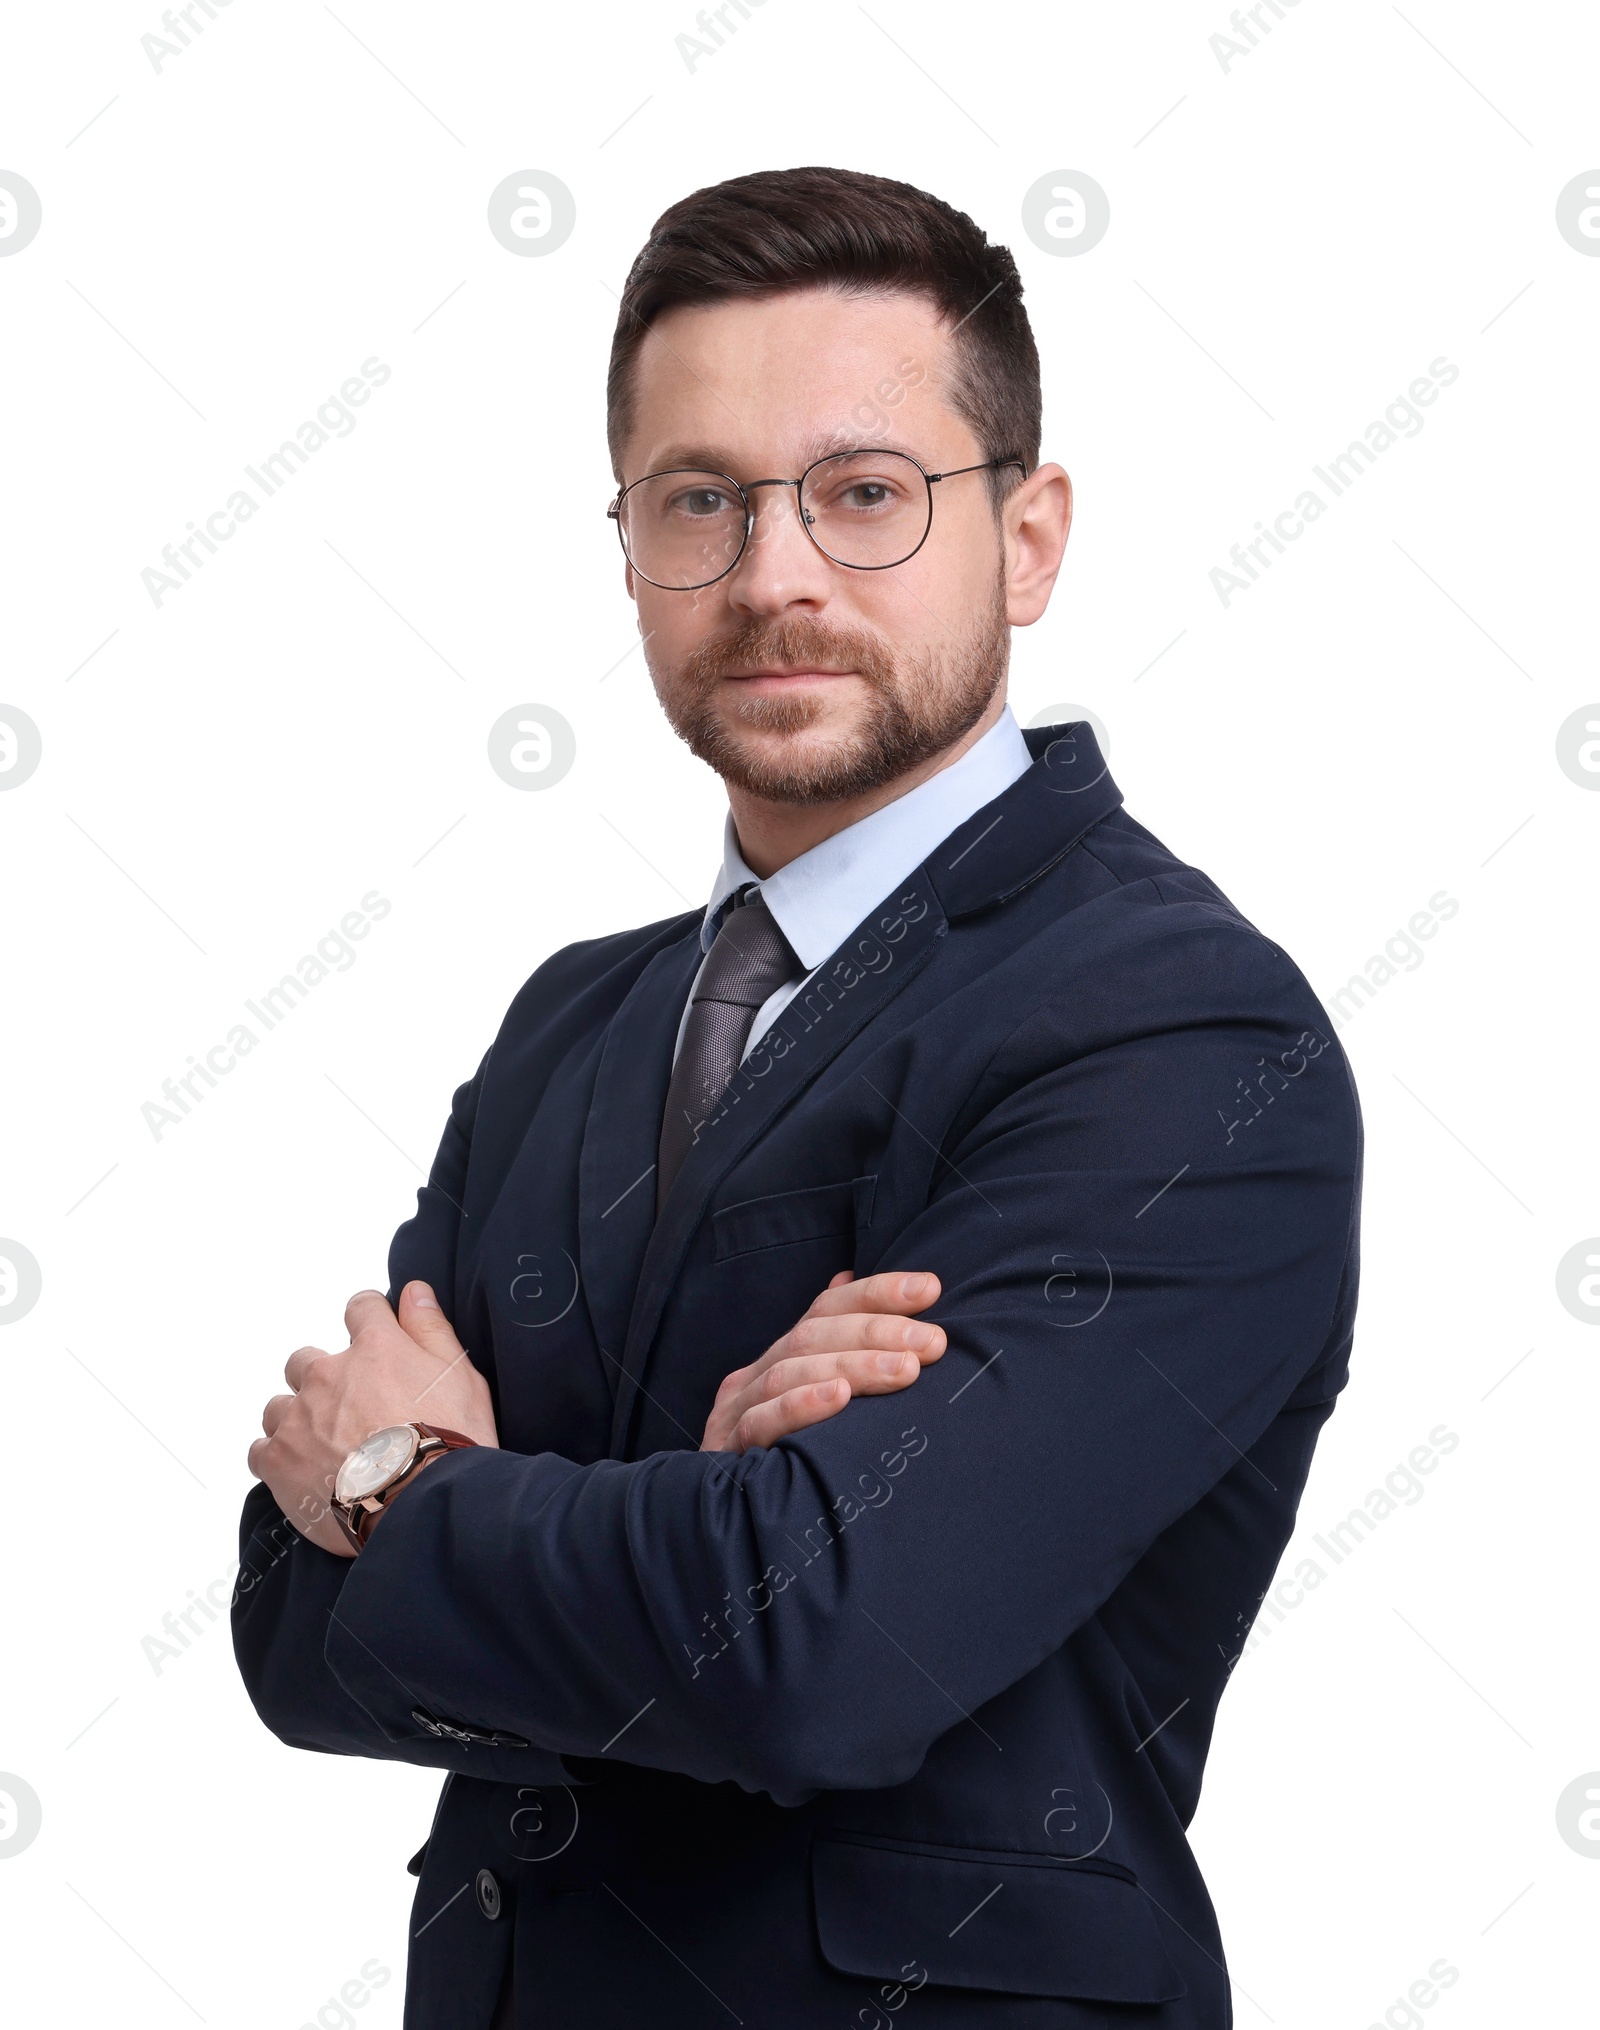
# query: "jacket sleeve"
1146,1245
288,1593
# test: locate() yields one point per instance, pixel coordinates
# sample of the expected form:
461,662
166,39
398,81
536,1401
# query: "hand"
396,1370
858,1339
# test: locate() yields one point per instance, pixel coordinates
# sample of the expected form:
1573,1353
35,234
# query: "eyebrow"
716,458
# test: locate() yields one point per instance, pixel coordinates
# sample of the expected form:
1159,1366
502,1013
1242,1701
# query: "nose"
781,566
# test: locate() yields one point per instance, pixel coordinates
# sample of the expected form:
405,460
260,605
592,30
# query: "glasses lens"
681,529
867,508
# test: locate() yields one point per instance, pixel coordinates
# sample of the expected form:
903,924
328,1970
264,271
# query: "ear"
1037,519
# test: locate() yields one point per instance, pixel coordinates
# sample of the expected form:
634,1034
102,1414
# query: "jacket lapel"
616,1170
866,973
631,1259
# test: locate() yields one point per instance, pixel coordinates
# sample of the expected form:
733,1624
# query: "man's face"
799,679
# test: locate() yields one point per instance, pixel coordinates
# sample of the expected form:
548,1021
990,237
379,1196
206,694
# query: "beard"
917,704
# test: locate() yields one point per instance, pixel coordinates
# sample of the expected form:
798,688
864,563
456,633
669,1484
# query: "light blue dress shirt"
820,897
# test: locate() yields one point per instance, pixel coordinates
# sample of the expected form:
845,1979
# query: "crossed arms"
810,1614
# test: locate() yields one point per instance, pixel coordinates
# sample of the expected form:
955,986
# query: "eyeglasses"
869,510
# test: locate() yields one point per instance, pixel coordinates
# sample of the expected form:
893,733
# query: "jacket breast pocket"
819,1212
1019,1924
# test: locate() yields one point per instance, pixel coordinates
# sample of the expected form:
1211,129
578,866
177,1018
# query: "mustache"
797,643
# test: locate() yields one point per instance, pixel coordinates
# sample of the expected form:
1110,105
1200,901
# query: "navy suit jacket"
916,1702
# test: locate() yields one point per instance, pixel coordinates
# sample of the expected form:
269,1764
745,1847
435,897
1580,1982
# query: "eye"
702,502
872,493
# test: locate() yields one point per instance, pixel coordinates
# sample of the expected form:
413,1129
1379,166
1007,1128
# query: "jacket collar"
1023,833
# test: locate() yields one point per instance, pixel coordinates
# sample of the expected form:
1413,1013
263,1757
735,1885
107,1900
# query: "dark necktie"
749,959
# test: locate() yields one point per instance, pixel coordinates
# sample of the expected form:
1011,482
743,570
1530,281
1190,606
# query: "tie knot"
749,958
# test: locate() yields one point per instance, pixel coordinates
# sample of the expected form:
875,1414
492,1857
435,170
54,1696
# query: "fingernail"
920,1337
422,1298
913,1286
890,1363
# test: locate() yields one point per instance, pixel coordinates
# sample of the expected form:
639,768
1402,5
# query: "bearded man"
847,1384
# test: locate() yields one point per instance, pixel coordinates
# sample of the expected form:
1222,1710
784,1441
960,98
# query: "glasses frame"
930,481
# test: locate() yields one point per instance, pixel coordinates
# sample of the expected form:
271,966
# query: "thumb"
422,1320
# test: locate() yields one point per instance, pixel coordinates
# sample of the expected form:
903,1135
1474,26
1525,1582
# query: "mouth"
787,678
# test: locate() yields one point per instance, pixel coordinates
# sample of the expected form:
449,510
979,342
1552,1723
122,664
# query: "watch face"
375,1462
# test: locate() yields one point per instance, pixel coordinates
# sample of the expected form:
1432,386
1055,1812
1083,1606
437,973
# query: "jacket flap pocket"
1022,1924
821,1212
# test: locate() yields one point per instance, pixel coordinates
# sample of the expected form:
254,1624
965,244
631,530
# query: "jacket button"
488,1892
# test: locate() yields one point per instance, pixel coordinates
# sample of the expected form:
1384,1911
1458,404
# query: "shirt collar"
820,897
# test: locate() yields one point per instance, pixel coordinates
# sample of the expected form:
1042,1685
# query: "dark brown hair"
782,229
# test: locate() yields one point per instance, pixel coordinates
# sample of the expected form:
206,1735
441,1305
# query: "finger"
896,1292
294,1368
876,1331
844,1276
422,1319
256,1457
366,1307
766,1423
868,1373
865,1373
275,1412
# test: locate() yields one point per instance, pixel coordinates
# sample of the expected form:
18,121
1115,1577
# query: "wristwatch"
374,1473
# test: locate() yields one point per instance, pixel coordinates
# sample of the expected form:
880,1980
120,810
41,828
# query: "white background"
225,775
